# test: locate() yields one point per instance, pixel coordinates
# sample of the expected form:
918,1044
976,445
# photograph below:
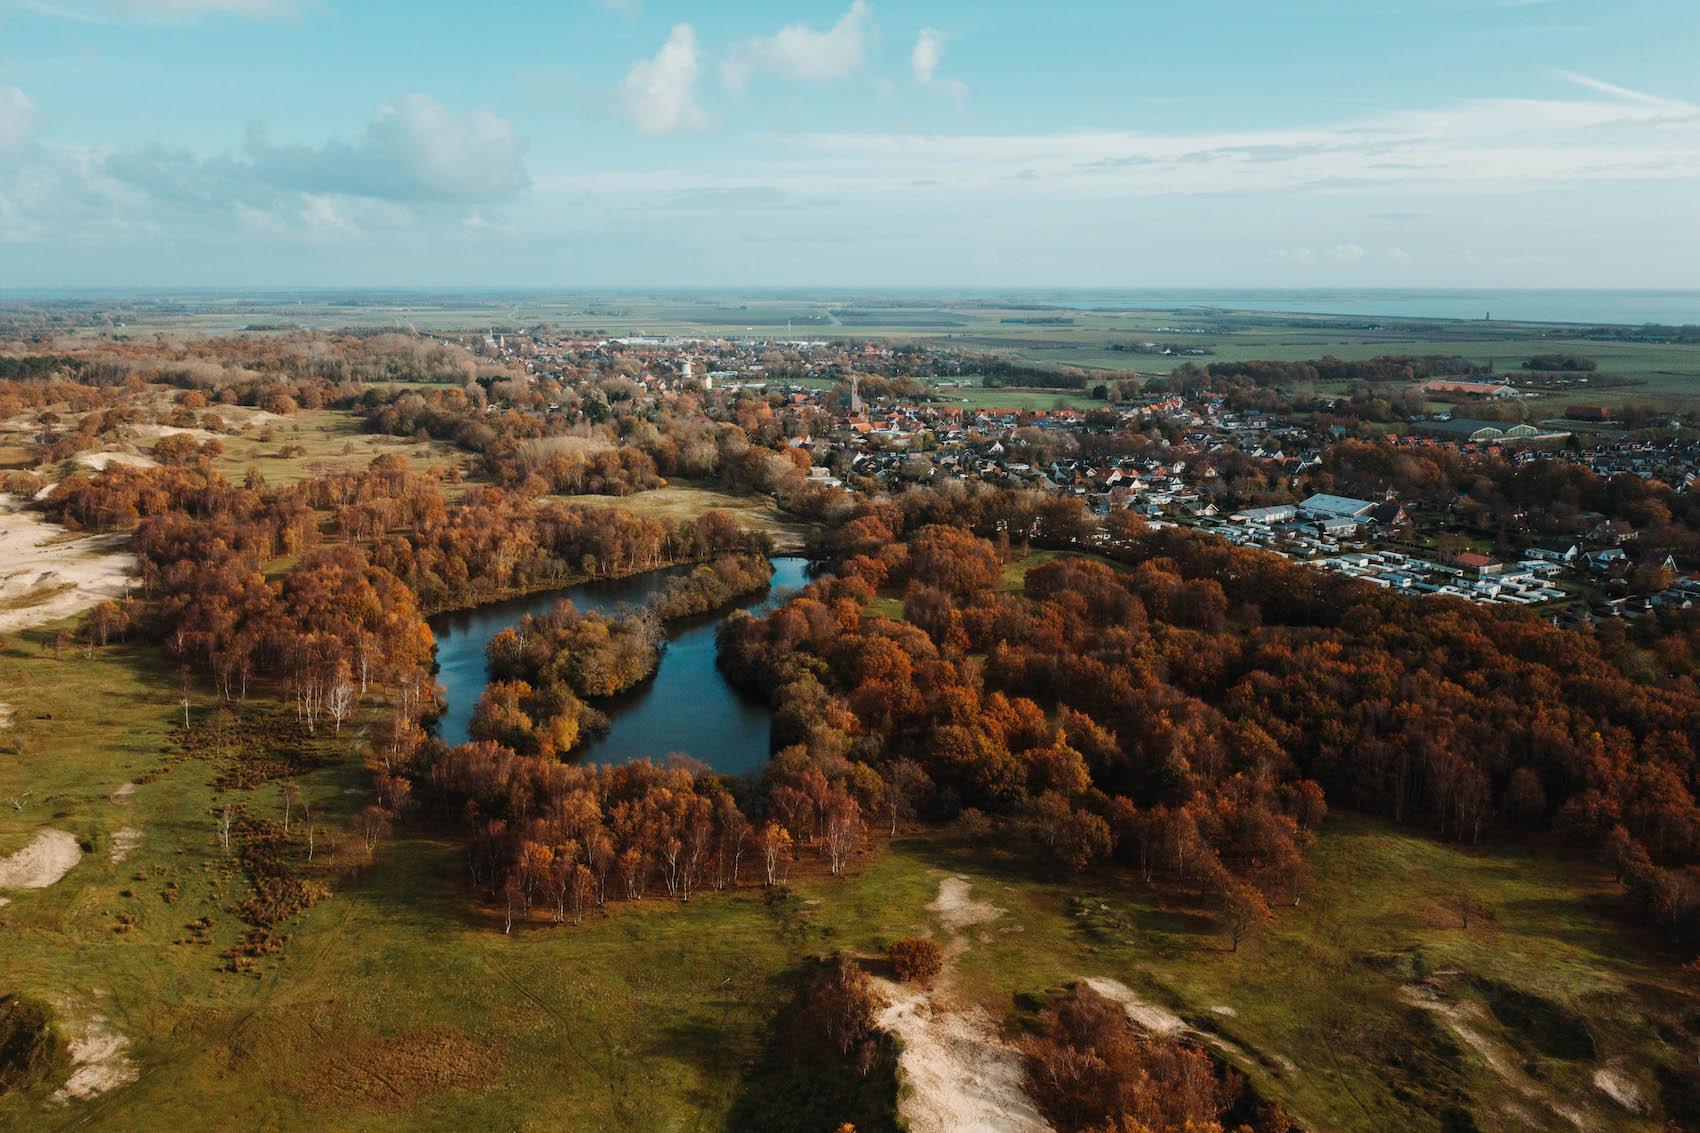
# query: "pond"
687,707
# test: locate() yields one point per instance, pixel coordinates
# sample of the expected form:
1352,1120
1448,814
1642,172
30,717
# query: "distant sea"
1632,307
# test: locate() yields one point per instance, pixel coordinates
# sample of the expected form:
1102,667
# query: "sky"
867,143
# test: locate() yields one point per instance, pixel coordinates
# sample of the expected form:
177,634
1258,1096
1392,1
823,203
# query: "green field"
397,1001
1014,397
684,500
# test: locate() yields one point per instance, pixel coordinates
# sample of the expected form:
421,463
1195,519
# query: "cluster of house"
1348,536
893,445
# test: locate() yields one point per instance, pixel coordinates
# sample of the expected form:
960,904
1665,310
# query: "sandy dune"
46,575
42,862
959,1074
99,460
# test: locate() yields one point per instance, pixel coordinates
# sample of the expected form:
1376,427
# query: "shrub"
30,1049
915,960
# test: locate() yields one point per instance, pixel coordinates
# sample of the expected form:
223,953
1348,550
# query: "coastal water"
687,707
1590,307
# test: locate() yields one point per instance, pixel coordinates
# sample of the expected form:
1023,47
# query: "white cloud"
1346,253
17,119
659,94
800,52
1602,87
414,149
924,61
1475,146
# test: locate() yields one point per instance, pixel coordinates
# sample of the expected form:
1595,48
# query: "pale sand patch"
5,716
956,910
124,843
1463,1019
1160,1021
42,862
100,460
958,1072
125,791
1619,1089
45,577
1147,1016
173,430
102,1061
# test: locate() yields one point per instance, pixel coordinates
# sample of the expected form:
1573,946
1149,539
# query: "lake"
687,706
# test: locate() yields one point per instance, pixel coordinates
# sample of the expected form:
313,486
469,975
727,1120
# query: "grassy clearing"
1015,570
1317,1011
331,440
684,500
396,1002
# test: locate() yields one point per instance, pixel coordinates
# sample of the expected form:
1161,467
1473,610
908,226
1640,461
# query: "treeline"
494,543
1561,363
31,367
712,586
996,372
1180,709
1384,368
564,839
589,444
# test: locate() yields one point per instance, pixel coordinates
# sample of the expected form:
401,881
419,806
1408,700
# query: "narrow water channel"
687,707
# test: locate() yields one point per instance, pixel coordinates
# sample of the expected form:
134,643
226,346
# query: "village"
1173,458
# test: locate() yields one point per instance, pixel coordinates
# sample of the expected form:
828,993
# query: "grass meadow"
398,1000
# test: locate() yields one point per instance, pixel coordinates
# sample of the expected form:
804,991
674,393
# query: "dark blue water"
687,708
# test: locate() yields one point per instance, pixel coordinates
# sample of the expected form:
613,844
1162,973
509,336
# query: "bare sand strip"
100,461
958,1073
124,843
46,575
1610,1081
41,863
1147,1017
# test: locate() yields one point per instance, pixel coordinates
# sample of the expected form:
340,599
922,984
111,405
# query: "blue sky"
588,143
